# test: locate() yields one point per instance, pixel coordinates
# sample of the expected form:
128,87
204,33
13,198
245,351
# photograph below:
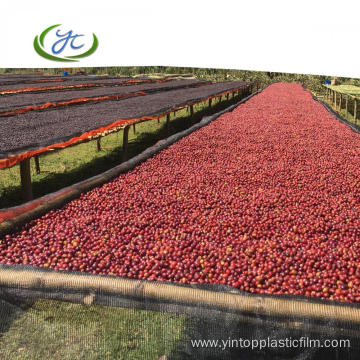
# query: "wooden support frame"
125,143
355,111
347,104
340,102
25,175
191,110
98,144
37,164
167,126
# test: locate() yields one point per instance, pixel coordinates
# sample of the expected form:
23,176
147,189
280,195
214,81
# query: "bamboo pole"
145,291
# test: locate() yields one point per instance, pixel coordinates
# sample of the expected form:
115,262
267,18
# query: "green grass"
70,165
64,331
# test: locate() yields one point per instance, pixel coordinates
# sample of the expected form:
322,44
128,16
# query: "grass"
73,164
64,331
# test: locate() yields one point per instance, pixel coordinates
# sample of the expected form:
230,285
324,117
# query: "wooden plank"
25,175
37,164
125,143
167,126
340,102
355,110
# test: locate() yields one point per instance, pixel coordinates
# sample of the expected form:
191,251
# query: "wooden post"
335,100
340,102
347,105
210,101
355,110
25,175
227,96
125,143
134,128
191,110
167,126
98,144
37,164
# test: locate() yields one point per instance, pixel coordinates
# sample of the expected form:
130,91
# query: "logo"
64,45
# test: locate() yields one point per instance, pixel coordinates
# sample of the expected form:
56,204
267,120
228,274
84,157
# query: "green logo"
65,39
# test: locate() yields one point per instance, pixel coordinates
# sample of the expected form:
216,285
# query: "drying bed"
48,99
18,80
27,134
12,80
264,199
11,90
